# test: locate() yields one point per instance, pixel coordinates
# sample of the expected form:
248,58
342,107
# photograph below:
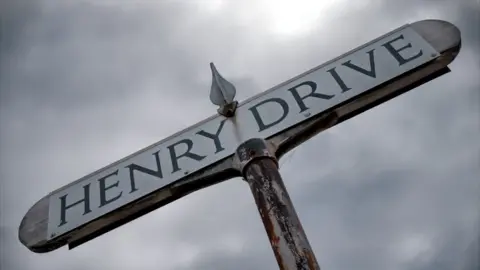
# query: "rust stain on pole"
287,237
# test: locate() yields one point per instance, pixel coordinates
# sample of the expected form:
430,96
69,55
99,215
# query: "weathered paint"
287,237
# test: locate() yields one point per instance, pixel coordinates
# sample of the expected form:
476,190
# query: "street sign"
202,155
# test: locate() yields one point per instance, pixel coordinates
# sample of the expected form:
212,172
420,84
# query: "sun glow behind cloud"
286,17
280,17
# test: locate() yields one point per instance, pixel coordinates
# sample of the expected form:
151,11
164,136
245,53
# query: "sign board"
201,154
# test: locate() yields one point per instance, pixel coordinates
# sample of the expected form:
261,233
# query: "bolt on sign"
202,155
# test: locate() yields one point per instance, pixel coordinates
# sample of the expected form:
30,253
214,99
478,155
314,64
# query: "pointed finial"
222,93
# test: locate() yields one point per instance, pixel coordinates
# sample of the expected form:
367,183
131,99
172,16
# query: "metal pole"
259,168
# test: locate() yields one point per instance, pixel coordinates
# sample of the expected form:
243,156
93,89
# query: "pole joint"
253,149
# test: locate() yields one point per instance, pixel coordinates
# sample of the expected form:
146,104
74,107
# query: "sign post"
245,140
258,164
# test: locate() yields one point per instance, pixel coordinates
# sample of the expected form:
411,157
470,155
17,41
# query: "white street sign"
208,142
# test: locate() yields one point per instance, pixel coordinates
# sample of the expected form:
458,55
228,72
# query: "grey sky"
84,83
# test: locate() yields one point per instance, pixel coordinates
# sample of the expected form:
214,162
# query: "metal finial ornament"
222,93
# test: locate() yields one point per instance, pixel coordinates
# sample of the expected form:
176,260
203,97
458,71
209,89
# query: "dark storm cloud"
90,54
464,14
80,51
452,253
247,259
7,254
15,17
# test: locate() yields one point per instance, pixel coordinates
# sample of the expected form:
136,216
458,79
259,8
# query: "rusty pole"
258,164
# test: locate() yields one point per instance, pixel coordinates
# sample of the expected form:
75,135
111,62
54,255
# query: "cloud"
84,83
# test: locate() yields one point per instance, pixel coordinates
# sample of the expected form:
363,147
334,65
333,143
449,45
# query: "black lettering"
371,72
339,80
64,207
299,99
261,125
103,190
134,167
396,52
175,157
215,137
